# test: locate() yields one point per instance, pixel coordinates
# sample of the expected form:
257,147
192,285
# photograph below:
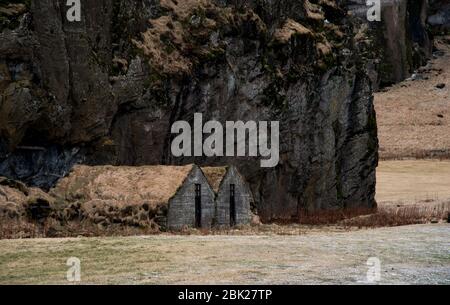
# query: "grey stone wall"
181,211
243,198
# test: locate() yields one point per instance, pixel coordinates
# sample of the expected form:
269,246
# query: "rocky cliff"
439,16
106,90
401,40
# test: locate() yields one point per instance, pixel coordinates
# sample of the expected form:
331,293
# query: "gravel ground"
408,255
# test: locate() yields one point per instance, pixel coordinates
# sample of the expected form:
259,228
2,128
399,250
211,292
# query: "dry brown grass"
12,9
289,29
154,46
174,44
392,216
152,185
413,180
314,11
387,215
184,9
214,175
413,116
21,229
169,42
376,218
419,154
16,229
409,255
331,217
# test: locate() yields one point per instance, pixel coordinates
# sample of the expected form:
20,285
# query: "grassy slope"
413,116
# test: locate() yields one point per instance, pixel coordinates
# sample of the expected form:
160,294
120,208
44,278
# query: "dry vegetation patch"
191,32
413,116
413,181
177,41
214,175
319,257
153,185
289,29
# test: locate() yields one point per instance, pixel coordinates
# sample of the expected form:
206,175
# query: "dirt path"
414,116
413,254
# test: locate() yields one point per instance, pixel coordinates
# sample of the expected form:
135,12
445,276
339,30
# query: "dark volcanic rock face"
400,41
439,17
106,90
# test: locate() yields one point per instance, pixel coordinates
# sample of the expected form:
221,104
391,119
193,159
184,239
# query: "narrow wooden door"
232,205
198,205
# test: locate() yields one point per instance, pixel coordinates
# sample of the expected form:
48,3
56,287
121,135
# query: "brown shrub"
17,229
385,216
390,216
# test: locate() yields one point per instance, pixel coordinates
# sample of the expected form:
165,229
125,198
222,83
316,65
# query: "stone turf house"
192,204
175,197
233,196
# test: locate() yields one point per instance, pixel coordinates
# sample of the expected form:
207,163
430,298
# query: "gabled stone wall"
181,212
243,198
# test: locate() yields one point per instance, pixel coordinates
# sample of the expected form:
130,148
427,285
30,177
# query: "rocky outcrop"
107,89
439,16
400,41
